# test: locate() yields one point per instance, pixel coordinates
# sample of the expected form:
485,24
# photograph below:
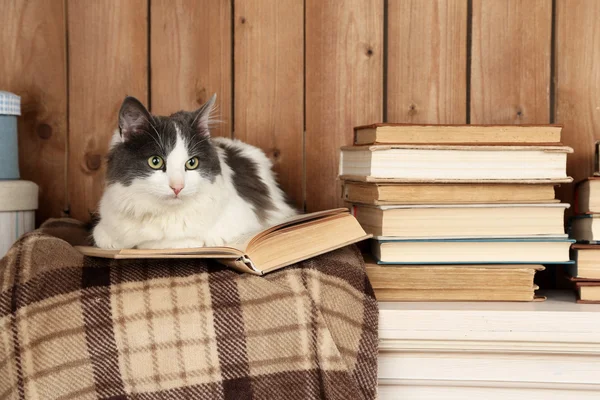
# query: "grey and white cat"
169,184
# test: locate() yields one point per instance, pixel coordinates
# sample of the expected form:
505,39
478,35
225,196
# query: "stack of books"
584,227
458,212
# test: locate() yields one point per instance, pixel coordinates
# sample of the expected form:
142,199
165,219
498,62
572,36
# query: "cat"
169,184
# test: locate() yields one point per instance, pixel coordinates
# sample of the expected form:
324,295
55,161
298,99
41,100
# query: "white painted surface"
14,224
542,350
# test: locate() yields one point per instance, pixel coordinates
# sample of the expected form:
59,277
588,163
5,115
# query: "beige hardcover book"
597,159
446,193
295,240
475,294
462,220
411,133
447,277
455,163
588,292
587,261
587,196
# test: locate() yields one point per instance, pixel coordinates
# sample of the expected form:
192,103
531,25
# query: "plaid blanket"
73,327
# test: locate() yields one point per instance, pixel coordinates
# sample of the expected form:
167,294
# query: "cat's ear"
202,116
133,118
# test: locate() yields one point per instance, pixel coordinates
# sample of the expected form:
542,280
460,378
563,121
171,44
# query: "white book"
530,250
448,163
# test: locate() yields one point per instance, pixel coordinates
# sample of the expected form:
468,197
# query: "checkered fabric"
10,104
73,327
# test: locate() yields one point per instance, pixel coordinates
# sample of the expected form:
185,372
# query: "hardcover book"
536,250
433,133
587,261
587,196
585,227
453,283
461,220
588,292
446,193
455,163
292,241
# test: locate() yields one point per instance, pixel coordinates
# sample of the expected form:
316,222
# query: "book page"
234,249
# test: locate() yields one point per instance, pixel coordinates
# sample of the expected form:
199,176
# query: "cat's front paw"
103,240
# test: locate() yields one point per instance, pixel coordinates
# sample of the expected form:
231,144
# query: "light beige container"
18,202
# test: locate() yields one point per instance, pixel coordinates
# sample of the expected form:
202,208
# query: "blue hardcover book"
529,250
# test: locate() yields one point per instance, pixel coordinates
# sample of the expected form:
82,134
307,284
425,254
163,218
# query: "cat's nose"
176,189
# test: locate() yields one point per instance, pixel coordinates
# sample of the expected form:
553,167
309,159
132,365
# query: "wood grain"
32,65
427,61
269,85
577,89
344,87
191,57
107,61
511,57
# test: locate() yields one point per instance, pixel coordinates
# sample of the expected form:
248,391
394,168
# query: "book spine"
597,158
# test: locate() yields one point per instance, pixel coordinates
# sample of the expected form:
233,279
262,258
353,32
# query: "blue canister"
10,108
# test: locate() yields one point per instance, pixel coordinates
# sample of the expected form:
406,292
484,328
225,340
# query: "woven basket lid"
18,195
10,103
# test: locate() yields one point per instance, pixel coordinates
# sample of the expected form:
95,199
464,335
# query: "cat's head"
164,159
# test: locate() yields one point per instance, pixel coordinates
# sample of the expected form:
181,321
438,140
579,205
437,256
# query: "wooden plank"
30,69
269,84
344,87
107,61
427,61
191,57
577,89
510,66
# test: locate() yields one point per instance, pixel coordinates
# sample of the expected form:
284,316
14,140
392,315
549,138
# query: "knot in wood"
93,161
44,131
412,109
201,95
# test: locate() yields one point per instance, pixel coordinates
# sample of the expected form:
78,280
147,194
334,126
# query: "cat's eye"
156,162
192,163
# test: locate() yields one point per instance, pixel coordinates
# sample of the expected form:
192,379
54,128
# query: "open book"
289,242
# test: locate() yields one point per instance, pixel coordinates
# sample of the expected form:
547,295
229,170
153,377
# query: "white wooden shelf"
546,350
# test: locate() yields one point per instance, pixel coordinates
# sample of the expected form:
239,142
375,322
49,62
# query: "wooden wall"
292,76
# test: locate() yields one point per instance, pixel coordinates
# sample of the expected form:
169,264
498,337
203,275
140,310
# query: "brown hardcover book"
452,283
455,163
456,295
297,239
442,277
474,134
446,193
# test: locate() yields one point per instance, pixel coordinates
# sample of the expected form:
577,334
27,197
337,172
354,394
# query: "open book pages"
296,239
